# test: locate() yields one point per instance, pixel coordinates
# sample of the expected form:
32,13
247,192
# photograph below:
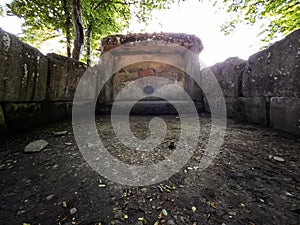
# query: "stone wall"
265,89
37,89
170,56
34,89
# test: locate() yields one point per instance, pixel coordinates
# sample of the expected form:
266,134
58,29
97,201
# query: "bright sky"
191,17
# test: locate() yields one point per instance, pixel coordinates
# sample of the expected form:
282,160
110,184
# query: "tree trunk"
78,29
68,26
88,44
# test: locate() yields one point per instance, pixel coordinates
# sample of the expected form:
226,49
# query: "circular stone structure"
173,56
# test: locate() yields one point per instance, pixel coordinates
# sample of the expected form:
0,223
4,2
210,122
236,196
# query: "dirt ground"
255,180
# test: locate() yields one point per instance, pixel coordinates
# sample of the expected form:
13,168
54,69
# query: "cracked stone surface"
245,184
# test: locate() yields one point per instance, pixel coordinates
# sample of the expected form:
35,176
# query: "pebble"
194,209
164,212
64,204
73,211
49,197
171,222
171,145
36,146
232,213
279,159
60,133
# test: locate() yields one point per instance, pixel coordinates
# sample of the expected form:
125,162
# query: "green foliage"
45,19
2,11
279,17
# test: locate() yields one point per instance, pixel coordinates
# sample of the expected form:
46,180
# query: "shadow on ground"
254,180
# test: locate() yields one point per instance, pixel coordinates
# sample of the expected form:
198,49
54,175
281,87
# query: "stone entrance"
165,55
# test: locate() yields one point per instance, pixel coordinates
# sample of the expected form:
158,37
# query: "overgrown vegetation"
82,22
279,17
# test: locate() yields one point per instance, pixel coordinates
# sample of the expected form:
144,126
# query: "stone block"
252,110
23,71
228,74
285,114
256,110
24,116
234,108
65,74
3,127
274,71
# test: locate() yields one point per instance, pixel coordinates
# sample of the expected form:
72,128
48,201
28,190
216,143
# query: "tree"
280,16
91,20
78,29
102,19
43,20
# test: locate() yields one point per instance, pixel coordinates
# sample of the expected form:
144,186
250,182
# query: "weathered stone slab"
274,71
285,114
256,110
3,127
24,116
228,74
23,70
65,75
193,75
234,108
36,146
252,110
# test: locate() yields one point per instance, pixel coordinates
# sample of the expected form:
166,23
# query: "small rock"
36,146
139,222
171,222
194,209
143,189
49,197
55,166
279,159
232,213
164,212
64,204
60,133
21,212
73,211
171,145
289,194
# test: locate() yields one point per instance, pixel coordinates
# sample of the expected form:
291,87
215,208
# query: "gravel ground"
254,180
